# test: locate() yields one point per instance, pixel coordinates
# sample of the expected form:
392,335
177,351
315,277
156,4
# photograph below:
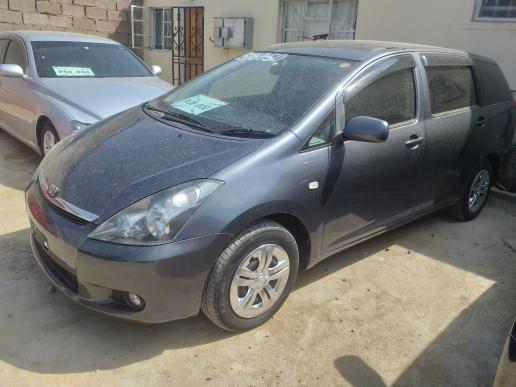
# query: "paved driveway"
427,304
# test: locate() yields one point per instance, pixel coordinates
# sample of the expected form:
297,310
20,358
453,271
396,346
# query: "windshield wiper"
183,118
248,133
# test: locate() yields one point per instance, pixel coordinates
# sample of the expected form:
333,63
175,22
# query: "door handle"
481,123
414,141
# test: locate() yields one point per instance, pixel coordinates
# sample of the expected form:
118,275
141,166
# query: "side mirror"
11,70
156,70
367,129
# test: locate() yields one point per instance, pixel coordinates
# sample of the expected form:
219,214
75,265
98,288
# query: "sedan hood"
103,97
125,158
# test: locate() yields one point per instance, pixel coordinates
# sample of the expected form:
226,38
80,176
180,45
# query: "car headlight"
157,218
78,125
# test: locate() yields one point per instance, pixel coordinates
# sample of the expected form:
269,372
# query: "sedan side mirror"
156,70
11,70
367,129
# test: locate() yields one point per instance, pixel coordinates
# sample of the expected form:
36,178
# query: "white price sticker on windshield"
65,71
198,104
262,57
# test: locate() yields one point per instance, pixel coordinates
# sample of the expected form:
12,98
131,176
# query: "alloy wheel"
478,191
259,280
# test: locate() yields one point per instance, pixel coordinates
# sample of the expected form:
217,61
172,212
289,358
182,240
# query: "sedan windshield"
83,59
257,94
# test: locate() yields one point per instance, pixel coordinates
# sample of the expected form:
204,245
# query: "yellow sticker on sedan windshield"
198,104
65,71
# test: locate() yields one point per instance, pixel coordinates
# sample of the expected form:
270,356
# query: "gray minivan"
214,196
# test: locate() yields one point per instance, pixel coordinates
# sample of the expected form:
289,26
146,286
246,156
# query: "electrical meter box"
233,32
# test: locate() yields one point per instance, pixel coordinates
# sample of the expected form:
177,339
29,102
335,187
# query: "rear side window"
16,54
3,46
451,88
493,85
391,98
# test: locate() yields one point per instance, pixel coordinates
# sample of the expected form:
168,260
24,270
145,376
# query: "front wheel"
48,137
475,194
252,277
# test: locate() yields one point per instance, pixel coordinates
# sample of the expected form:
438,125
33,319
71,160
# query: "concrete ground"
428,304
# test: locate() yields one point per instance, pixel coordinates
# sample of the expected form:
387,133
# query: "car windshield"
84,59
257,94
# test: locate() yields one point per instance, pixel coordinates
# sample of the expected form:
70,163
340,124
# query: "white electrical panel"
233,32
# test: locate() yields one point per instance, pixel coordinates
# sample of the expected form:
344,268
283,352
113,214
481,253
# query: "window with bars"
303,19
495,10
161,28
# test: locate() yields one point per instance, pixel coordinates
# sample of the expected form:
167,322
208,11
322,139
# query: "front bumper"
170,278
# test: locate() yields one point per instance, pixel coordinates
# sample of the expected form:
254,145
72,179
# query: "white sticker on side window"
262,57
66,71
198,104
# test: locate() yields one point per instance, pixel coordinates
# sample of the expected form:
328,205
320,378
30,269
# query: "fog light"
135,300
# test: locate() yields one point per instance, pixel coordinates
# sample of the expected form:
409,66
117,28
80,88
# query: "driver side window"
3,47
16,54
391,98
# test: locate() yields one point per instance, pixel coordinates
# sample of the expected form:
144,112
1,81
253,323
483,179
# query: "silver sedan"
54,83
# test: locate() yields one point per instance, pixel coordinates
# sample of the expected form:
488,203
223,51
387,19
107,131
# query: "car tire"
48,137
475,194
262,261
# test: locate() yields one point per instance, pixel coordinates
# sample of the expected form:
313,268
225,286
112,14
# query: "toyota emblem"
53,190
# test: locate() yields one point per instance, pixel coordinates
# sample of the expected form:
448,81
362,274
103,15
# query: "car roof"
355,50
57,36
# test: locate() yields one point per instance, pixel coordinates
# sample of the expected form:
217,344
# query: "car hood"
103,97
125,158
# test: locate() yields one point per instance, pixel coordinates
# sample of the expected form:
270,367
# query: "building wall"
265,13
108,18
447,23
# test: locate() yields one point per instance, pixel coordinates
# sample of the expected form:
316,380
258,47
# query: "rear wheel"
252,277
48,137
475,194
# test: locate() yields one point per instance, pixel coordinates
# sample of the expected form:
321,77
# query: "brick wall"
108,18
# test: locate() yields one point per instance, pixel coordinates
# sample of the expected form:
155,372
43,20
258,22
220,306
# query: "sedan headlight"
78,125
157,218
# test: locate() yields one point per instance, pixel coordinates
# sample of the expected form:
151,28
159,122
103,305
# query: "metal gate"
178,30
304,19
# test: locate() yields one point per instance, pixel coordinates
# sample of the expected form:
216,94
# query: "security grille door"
176,30
187,43
304,19
193,38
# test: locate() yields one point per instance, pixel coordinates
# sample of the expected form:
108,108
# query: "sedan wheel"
49,140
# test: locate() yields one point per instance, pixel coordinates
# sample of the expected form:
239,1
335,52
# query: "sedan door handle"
414,141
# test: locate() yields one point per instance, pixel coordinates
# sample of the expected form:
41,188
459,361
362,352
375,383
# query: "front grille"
66,278
67,214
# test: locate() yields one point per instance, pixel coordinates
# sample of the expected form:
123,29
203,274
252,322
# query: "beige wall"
265,13
445,23
108,18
